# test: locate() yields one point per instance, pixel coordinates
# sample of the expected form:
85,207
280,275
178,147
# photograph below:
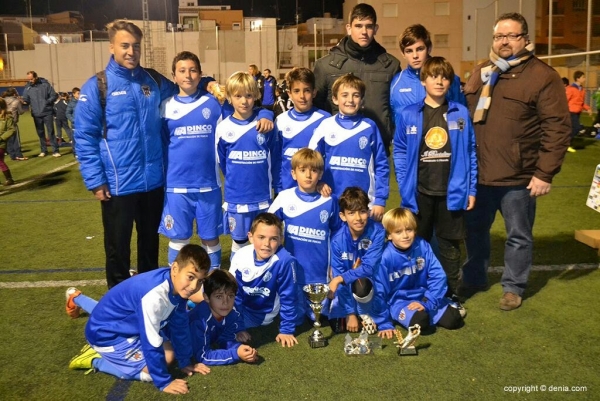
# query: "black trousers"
118,215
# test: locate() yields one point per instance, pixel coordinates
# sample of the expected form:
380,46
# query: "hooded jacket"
40,96
376,69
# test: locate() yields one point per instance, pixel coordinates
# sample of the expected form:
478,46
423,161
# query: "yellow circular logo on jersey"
436,138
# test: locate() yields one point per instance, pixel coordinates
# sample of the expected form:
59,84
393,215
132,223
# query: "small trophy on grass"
406,346
316,293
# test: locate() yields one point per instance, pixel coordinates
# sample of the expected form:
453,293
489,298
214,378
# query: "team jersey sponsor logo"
248,155
168,222
267,276
193,130
290,152
344,161
407,271
306,232
332,135
323,216
260,138
230,134
363,142
402,90
436,138
206,113
117,93
257,291
287,129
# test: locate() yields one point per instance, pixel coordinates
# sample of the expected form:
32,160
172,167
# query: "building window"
579,5
442,8
441,40
390,42
191,4
390,10
256,25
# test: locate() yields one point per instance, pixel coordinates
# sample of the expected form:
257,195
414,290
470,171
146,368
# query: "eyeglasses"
512,37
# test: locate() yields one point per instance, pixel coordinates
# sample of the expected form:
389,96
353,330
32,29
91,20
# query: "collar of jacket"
117,69
340,56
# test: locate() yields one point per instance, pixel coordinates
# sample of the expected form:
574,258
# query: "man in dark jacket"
360,54
40,96
522,129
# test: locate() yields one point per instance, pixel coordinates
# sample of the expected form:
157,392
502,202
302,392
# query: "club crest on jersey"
267,276
461,123
168,222
260,138
362,142
323,216
364,243
146,90
420,263
231,221
206,113
402,315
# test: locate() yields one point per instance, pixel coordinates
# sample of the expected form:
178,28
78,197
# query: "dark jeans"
575,124
13,145
518,210
64,123
118,215
47,121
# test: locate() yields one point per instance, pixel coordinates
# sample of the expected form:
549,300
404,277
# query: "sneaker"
56,154
43,154
84,359
455,303
368,324
571,150
510,301
72,310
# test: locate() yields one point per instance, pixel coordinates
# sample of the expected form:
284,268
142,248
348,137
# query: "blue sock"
215,259
172,254
104,366
86,303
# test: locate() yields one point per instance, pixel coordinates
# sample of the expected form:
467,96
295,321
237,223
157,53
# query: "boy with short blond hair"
352,148
217,321
247,158
410,284
310,219
295,127
355,254
436,165
125,329
265,273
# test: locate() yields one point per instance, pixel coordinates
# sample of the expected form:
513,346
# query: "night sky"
100,12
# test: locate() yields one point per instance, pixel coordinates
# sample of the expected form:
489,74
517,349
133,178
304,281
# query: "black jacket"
376,69
40,97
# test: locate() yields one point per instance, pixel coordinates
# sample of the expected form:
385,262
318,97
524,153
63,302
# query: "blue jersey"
189,125
354,156
309,219
266,288
346,252
294,131
405,276
139,307
206,330
246,158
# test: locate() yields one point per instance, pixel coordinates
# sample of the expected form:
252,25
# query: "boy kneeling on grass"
126,331
265,273
410,284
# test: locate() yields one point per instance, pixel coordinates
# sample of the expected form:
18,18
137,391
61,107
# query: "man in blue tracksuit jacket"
123,162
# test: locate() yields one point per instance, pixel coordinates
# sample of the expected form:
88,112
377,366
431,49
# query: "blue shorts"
238,224
127,356
403,315
180,210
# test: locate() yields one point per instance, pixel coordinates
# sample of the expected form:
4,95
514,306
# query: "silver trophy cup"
316,293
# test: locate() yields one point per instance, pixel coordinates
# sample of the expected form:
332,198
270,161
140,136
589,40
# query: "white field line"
39,177
82,283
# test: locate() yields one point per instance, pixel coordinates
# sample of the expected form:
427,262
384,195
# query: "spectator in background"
576,101
40,96
71,114
260,81
13,104
267,93
60,118
360,54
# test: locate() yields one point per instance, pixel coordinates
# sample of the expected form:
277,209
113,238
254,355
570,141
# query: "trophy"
407,345
316,293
